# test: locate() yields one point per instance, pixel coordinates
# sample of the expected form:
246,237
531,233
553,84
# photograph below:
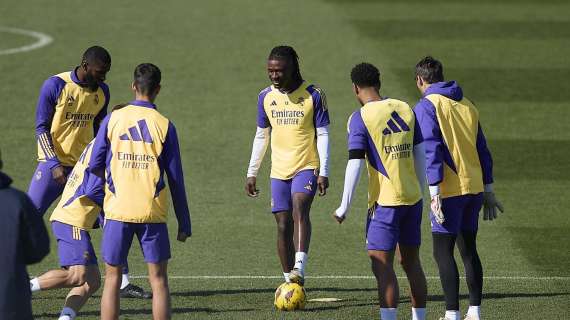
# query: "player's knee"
77,277
94,281
282,227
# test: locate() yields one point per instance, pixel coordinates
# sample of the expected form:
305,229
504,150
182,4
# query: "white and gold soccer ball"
289,297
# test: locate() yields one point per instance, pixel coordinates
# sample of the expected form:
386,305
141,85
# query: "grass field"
511,57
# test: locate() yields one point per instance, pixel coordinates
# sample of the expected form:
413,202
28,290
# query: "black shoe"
133,291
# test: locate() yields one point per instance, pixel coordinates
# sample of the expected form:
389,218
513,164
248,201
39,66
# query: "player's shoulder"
63,76
57,81
314,89
265,91
398,103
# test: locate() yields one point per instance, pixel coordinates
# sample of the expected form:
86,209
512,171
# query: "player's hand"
323,184
182,236
58,174
435,206
490,206
250,187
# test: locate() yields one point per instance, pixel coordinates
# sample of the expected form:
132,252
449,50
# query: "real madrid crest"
38,175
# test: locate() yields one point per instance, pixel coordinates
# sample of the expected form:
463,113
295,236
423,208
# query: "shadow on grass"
147,312
311,290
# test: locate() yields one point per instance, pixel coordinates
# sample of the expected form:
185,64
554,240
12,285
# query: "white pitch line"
42,40
219,277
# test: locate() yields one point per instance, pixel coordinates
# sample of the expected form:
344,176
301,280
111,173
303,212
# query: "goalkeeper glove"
436,209
490,206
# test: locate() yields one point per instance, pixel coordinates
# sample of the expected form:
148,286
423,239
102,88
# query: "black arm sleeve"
356,154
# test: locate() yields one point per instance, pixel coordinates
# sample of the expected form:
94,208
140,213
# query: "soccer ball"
289,297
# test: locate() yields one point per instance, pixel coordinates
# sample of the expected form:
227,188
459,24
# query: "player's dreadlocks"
287,53
97,54
365,75
430,69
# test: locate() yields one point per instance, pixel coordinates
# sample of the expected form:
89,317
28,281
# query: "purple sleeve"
484,157
418,137
262,120
357,133
98,160
173,168
49,94
103,113
321,112
433,141
94,189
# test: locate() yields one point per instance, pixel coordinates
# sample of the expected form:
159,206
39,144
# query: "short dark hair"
97,54
289,54
365,75
147,78
430,69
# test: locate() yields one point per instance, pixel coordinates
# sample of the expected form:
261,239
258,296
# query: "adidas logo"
273,103
70,101
393,127
136,135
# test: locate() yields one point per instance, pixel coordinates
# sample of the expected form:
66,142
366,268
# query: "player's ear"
133,87
419,81
355,89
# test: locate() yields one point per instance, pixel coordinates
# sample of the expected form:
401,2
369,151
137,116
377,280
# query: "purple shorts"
118,236
282,191
43,189
461,214
388,226
74,245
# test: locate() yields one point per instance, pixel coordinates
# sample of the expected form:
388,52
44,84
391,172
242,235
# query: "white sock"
67,314
124,280
388,313
474,311
452,314
418,313
35,285
300,261
286,275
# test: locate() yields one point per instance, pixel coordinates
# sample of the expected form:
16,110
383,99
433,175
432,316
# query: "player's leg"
409,245
467,244
281,205
388,290
303,189
43,190
157,276
110,304
410,261
116,242
444,237
285,248
78,296
153,239
382,234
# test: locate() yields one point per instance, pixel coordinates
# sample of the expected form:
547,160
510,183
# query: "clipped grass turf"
511,57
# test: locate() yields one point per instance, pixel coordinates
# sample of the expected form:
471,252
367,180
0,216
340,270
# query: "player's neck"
369,95
295,84
141,97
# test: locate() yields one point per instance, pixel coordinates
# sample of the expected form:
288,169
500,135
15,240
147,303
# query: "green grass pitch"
511,57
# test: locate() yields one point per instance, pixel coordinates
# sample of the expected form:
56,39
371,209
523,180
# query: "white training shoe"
470,317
